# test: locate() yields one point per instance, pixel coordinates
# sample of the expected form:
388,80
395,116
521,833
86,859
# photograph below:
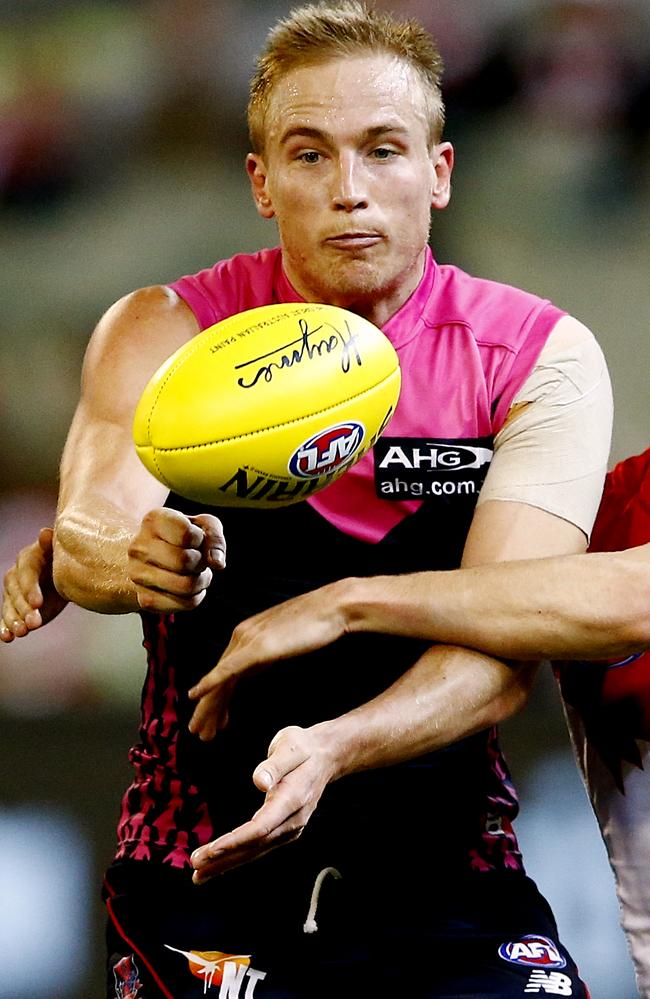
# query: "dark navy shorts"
242,935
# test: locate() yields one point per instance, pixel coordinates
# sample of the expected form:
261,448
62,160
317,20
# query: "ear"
258,177
442,157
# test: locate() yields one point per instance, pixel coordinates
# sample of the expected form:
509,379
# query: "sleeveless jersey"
613,697
465,346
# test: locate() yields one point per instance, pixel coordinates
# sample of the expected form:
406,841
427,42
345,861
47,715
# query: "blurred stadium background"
122,137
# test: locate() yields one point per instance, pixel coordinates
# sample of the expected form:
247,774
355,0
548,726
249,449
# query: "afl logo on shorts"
532,951
327,451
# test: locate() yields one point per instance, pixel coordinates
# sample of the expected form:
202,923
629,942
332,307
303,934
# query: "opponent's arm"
449,693
455,691
576,607
115,549
29,599
572,607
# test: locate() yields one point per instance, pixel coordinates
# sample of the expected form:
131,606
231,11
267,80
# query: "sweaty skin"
350,180
593,606
351,183
115,548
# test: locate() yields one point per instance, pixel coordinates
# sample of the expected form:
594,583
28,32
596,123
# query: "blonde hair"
321,31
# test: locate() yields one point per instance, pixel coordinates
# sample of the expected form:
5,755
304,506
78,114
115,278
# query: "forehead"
351,93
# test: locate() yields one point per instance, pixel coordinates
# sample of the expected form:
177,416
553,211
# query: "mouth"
354,240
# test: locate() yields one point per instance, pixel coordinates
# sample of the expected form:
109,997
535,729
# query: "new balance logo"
553,983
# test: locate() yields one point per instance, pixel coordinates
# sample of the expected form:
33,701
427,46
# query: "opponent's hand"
171,559
29,599
300,625
299,766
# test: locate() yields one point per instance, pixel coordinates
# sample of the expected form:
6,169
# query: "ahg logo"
431,469
430,455
327,450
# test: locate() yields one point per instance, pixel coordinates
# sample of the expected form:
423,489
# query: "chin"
355,282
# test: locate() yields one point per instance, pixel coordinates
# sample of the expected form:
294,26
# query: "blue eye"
382,153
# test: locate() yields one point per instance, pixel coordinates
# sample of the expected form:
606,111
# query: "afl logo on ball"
327,451
532,951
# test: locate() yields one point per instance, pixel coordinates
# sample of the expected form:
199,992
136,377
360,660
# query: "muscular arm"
452,692
113,551
576,607
579,606
448,694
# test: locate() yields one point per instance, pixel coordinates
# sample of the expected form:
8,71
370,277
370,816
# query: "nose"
349,192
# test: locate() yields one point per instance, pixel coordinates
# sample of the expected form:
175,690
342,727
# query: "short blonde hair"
322,31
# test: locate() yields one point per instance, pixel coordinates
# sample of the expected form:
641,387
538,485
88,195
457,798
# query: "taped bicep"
553,448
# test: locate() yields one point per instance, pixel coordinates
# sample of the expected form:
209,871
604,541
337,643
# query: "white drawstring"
310,925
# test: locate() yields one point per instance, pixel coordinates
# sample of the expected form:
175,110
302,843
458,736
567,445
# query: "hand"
300,625
171,559
29,599
298,768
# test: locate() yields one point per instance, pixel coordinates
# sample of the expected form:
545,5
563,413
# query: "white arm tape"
553,449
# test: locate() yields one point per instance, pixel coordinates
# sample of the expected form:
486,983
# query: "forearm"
91,557
450,693
577,606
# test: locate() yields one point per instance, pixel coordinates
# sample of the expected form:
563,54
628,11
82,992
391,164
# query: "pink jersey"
465,346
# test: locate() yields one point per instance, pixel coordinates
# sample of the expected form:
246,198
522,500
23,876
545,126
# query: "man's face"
350,177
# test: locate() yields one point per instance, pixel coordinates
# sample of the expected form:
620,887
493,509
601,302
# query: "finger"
228,861
33,620
164,603
217,677
163,555
210,715
6,635
9,617
8,610
237,659
174,527
279,808
29,567
46,540
276,823
214,544
15,605
171,584
16,628
246,855
286,754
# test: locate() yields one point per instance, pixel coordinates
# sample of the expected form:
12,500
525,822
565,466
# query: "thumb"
286,753
45,540
214,542
263,777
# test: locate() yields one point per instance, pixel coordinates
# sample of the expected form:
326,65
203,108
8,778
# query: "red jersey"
614,698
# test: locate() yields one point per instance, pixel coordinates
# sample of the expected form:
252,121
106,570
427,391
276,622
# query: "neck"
377,306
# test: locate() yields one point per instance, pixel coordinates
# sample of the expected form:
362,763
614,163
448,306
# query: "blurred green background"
122,140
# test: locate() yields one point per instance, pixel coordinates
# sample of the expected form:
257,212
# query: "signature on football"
312,343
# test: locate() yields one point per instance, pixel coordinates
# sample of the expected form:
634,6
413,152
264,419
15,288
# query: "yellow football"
268,406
